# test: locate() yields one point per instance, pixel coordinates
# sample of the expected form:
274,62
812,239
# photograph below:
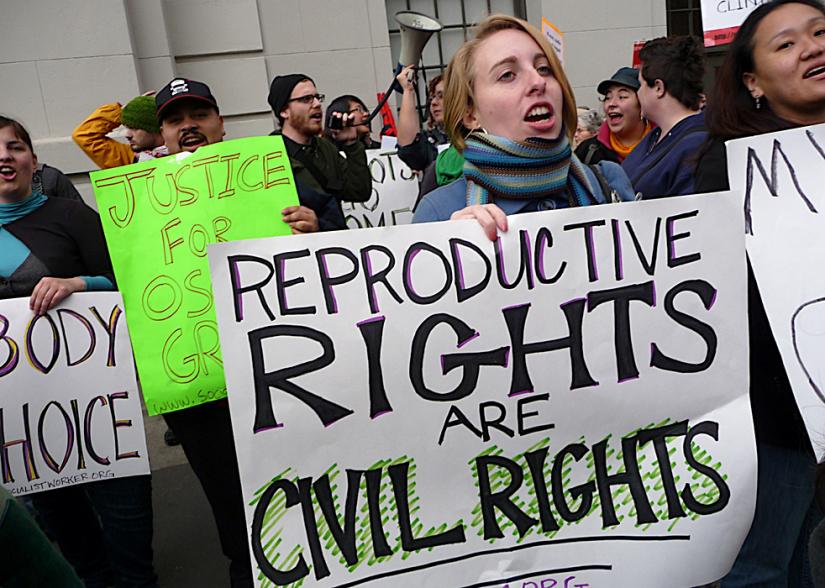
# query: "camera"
336,123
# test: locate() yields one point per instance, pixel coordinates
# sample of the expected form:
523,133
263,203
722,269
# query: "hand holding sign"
158,217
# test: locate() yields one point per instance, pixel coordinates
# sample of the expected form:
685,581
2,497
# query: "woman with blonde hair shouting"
509,109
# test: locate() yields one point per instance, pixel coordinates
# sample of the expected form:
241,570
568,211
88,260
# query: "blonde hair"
459,77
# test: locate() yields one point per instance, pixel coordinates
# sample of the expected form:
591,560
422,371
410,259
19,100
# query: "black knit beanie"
280,90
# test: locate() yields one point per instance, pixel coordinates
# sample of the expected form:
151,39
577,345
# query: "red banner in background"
388,129
637,46
720,36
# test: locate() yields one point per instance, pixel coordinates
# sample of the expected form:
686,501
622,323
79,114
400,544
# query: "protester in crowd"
446,169
670,92
51,181
27,557
588,125
624,127
511,112
50,248
316,162
771,80
355,107
142,133
418,147
189,118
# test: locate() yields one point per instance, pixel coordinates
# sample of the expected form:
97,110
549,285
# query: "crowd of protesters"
502,136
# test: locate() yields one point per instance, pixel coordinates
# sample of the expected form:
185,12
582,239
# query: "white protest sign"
567,406
555,36
388,143
780,175
394,194
71,409
722,18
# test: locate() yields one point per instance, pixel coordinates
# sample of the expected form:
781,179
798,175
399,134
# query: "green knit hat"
140,114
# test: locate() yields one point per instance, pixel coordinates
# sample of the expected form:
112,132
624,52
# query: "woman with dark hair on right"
773,78
670,92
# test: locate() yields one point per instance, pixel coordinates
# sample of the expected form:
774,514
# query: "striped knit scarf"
498,167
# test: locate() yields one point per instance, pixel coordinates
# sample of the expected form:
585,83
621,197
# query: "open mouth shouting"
192,140
614,119
8,173
541,117
817,71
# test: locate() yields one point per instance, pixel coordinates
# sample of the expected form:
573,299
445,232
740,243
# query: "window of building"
458,18
684,17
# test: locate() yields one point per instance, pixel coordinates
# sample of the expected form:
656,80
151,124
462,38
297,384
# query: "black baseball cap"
625,76
181,88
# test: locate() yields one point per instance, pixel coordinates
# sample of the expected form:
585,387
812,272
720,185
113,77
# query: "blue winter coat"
666,167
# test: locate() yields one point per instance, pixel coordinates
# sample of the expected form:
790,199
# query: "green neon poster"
158,217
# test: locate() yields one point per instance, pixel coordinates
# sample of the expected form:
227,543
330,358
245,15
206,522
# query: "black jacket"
592,151
325,207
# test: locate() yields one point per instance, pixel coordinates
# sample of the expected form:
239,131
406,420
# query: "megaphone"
416,30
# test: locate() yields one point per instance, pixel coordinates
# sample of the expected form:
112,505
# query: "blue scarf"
16,210
523,170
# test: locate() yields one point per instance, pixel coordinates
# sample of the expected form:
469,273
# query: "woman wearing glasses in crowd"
588,125
773,78
49,249
355,108
510,110
623,127
417,147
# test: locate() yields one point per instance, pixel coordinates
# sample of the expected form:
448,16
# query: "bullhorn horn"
416,30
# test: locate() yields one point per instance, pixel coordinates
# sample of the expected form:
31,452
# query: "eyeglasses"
308,99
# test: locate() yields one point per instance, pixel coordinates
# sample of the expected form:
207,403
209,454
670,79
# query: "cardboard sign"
420,406
780,176
722,18
158,217
71,411
555,36
394,194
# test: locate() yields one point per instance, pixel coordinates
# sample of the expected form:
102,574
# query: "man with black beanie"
316,161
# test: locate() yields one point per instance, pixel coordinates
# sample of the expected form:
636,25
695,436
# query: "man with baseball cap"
189,118
316,162
142,133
